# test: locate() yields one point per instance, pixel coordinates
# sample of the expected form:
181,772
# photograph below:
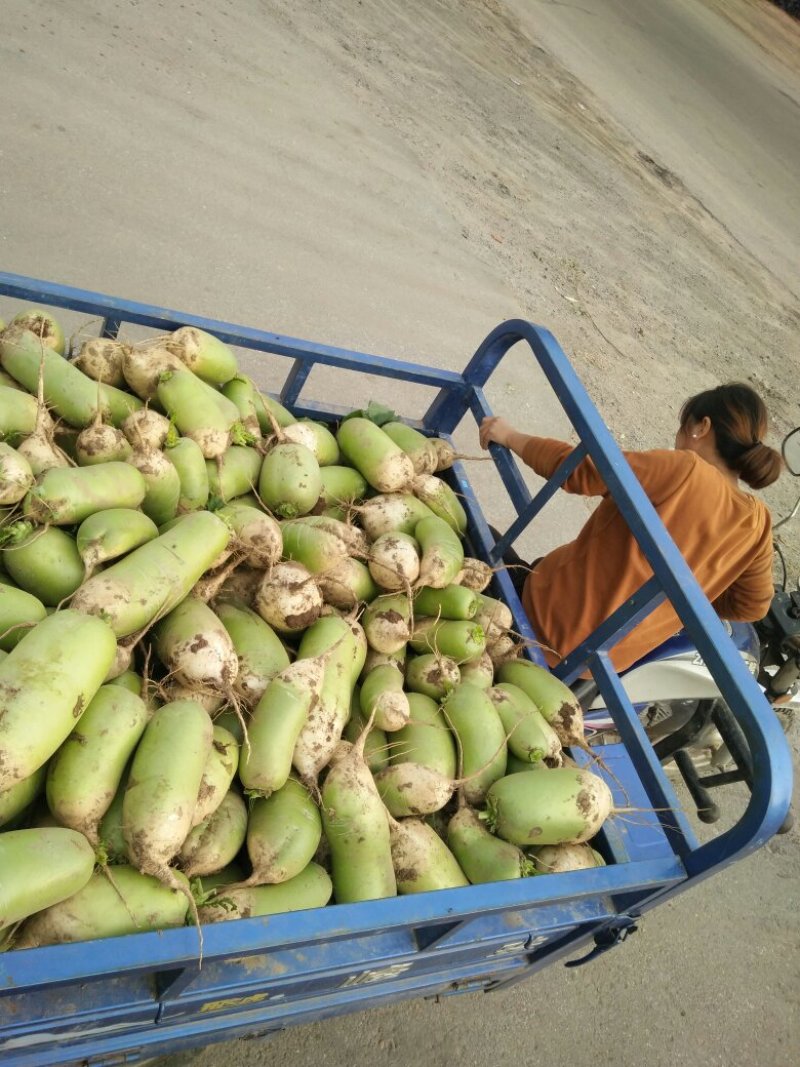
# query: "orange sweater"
724,534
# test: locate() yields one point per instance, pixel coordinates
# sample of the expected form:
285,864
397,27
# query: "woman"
724,533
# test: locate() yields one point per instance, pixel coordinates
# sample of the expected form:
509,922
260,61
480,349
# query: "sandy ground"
397,178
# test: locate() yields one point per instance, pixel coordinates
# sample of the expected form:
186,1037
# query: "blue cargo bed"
126,998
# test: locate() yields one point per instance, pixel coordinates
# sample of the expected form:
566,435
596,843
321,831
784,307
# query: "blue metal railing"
633,885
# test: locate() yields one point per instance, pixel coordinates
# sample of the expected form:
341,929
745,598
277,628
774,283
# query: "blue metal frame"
155,997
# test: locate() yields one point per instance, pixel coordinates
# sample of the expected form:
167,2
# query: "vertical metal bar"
295,380
658,789
110,327
546,493
616,626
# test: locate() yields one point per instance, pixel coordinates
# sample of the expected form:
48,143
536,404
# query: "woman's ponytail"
739,418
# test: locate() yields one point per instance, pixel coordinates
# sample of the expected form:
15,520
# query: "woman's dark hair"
739,419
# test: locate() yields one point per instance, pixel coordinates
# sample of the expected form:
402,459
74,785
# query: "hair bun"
759,465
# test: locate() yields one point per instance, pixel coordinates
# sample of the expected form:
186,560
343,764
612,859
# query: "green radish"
199,412
432,675
478,671
442,554
278,719
18,413
451,602
482,856
481,739
530,736
493,615
207,884
46,683
16,476
557,703
341,486
426,739
413,789
66,496
43,326
193,644
267,409
343,645
350,535
445,453
147,430
461,641
15,800
39,447
219,772
310,889
416,446
316,437
187,458
347,584
131,681
85,773
260,652
283,834
162,485
503,649
112,848
558,859
241,392
474,574
392,513
373,659
318,550
516,765
357,829
382,696
217,840
376,749
387,622
100,443
45,563
422,861
19,611
111,904
69,393
375,455
163,784
257,537
232,474
442,501
107,535
290,481
143,364
41,866
288,598
153,578
100,358
204,354
559,806
394,561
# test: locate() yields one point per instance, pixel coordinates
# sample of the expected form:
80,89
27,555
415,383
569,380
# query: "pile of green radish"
245,666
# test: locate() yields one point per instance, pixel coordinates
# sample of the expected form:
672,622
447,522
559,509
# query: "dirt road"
398,177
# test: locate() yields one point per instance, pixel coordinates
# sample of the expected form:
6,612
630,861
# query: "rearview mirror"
791,451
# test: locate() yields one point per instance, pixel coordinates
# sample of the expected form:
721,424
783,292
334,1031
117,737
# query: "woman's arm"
544,455
750,596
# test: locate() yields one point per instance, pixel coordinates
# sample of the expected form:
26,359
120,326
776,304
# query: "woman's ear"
701,428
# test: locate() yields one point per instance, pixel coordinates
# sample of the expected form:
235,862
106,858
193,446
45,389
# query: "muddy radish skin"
46,683
283,834
357,829
310,889
557,703
109,905
422,861
484,857
374,454
27,885
554,807
163,784
216,841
